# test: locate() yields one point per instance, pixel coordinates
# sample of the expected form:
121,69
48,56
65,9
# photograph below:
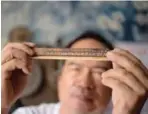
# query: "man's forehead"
88,43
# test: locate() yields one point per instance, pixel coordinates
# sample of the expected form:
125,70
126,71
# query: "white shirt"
40,109
53,108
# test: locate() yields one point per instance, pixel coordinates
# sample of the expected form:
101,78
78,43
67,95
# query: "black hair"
92,35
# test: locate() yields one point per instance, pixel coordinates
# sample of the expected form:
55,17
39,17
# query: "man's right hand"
16,65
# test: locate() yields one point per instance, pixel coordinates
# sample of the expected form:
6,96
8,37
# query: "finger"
128,54
14,64
129,65
115,66
20,46
116,85
126,78
131,56
30,44
13,53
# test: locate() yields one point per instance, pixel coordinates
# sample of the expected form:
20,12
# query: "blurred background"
56,23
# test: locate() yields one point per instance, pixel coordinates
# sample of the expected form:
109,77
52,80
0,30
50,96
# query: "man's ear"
59,75
58,78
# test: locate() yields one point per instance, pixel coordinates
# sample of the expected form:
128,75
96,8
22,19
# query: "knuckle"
7,47
139,61
118,84
123,72
104,74
8,44
18,62
3,69
142,92
21,53
132,65
126,51
7,54
15,61
24,56
107,72
10,51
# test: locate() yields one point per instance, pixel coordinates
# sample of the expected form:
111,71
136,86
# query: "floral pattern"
51,20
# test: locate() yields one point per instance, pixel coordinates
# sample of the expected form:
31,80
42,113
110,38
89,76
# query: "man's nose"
86,80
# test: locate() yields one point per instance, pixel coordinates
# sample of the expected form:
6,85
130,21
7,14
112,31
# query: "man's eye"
75,68
97,73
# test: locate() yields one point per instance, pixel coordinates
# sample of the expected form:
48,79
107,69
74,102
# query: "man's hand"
128,80
16,65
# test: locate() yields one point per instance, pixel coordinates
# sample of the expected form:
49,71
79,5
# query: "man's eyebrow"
104,67
98,66
72,63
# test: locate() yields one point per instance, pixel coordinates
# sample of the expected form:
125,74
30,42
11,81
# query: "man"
84,87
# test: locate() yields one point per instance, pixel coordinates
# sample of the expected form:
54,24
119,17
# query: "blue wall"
50,20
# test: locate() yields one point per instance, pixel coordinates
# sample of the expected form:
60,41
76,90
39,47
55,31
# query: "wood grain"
71,53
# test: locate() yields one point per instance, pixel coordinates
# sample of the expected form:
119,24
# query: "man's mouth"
84,98
83,95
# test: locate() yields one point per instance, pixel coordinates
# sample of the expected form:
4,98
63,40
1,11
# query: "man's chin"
81,109
82,106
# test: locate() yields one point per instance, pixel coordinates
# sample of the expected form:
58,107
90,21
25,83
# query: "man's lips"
83,94
86,98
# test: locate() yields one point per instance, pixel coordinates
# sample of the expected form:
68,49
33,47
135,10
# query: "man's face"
80,87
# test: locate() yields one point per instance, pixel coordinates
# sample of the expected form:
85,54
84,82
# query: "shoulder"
51,108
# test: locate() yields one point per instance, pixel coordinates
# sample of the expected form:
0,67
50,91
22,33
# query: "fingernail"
117,49
102,80
32,44
29,72
102,75
31,52
30,61
110,53
26,71
30,68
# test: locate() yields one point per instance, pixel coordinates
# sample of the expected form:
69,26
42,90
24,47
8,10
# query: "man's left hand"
128,80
